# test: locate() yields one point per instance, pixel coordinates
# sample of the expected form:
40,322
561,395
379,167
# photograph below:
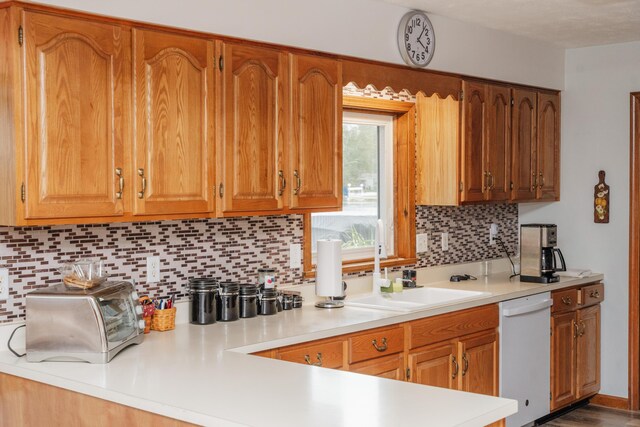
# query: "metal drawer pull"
541,180
466,364
594,294
456,368
144,183
583,327
307,359
381,348
566,300
576,329
493,181
120,183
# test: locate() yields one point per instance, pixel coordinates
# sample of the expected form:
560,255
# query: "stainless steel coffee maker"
538,253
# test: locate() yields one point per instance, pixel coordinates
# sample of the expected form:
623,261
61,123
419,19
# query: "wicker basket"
164,320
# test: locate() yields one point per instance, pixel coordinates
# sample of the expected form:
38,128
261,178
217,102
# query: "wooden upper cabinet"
523,145
76,116
174,112
473,141
255,82
316,149
548,146
437,150
498,143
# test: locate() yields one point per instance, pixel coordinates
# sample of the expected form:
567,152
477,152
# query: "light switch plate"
493,233
444,242
295,255
153,269
4,283
422,243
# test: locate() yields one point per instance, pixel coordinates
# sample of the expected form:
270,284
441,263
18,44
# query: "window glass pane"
363,187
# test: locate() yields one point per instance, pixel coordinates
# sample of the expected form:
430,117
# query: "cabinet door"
436,365
523,146
473,140
316,149
76,116
255,101
391,367
174,86
548,146
479,363
563,359
498,150
588,351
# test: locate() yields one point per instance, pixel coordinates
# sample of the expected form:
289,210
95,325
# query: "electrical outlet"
4,283
295,256
444,242
493,233
153,269
422,243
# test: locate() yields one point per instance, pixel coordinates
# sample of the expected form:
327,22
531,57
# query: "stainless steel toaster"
90,325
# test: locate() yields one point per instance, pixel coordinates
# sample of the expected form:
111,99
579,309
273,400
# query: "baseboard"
610,401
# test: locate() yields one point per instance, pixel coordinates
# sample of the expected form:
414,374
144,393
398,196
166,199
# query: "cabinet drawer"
376,344
591,295
566,300
452,325
326,354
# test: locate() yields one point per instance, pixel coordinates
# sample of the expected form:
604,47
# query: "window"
367,183
378,182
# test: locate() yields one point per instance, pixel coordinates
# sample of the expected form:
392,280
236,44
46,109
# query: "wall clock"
416,39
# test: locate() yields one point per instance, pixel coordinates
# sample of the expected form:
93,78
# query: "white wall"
361,28
595,136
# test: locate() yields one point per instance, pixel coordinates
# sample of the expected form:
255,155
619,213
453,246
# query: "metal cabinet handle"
465,369
583,327
120,183
575,329
381,348
283,183
541,181
534,181
595,294
456,368
566,300
144,183
485,181
493,181
221,190
307,359
298,182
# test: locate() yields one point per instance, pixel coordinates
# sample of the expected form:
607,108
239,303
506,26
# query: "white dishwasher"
525,356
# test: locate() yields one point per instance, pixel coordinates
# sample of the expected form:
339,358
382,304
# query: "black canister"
297,301
203,292
228,309
268,302
248,296
287,302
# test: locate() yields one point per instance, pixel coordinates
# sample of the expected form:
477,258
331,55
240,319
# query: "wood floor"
592,415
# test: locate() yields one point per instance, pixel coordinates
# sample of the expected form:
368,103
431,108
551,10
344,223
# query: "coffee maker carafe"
538,253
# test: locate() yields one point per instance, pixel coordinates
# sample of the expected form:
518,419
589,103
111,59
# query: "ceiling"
566,23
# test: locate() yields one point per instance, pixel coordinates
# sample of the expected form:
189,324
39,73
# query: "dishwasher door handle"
517,311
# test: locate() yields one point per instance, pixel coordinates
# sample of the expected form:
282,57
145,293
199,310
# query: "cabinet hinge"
461,95
408,374
511,185
513,102
20,36
22,193
221,63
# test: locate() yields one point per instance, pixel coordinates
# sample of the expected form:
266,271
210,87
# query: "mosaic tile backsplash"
229,249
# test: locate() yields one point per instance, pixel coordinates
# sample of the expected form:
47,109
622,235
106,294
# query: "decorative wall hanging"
601,201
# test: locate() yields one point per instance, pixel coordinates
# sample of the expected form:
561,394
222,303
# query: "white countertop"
202,374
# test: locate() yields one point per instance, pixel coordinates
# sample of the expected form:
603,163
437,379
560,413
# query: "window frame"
404,125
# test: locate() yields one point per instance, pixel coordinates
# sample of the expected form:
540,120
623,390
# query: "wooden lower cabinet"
575,345
391,367
325,353
435,365
479,357
67,407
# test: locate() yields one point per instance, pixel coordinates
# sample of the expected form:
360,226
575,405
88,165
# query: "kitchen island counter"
203,374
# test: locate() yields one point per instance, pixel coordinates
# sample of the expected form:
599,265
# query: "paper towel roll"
329,269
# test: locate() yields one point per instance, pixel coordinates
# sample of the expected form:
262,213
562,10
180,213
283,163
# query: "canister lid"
203,283
248,289
228,287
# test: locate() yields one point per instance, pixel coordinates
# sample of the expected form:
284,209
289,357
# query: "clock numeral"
423,56
413,53
406,37
428,41
410,29
418,22
408,46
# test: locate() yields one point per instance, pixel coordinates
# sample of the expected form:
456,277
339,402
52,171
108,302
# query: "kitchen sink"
413,299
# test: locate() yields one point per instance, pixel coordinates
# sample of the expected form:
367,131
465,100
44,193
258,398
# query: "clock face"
416,39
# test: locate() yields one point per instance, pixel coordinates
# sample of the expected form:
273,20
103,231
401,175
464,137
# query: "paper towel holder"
330,302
